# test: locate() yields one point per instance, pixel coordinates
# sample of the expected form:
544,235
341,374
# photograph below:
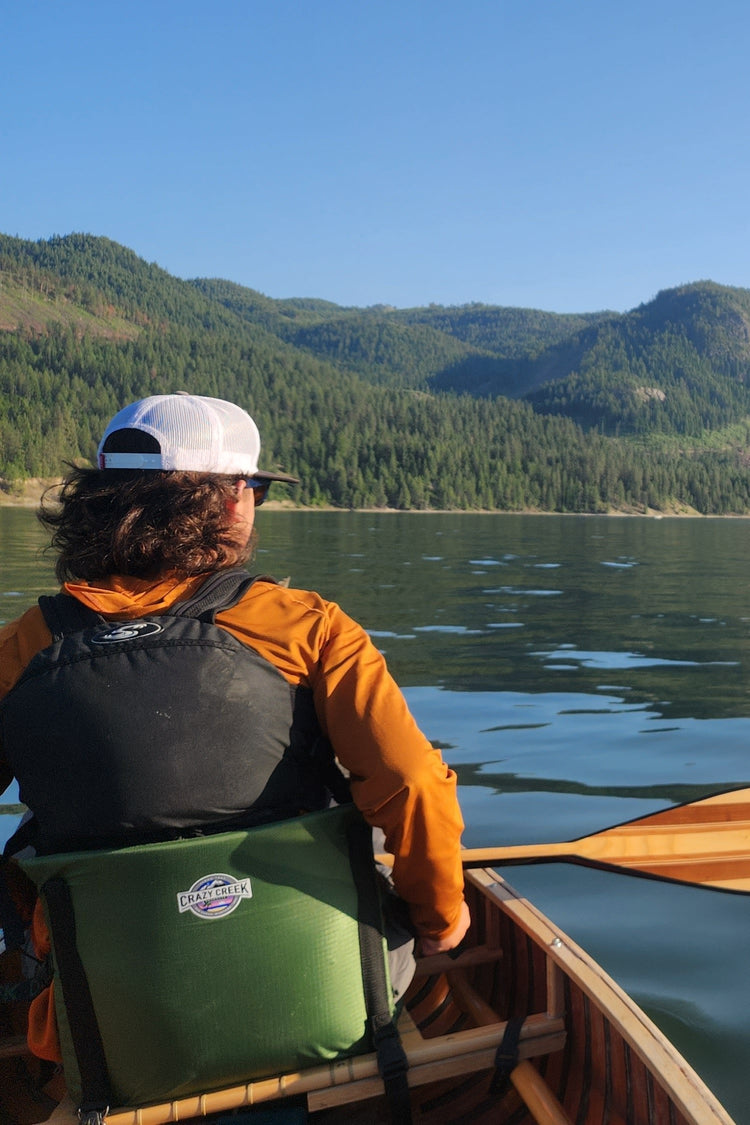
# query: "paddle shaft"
718,870
705,843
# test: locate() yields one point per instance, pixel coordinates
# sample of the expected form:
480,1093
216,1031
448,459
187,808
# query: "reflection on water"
576,743
24,572
577,672
617,659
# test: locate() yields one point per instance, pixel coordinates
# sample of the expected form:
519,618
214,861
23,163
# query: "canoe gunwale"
673,1073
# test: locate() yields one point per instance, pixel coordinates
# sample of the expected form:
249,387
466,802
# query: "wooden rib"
555,989
469,999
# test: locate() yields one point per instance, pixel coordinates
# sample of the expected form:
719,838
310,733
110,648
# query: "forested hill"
469,407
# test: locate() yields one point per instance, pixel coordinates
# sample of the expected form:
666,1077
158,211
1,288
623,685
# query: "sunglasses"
259,487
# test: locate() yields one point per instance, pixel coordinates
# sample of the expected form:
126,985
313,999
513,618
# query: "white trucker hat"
190,433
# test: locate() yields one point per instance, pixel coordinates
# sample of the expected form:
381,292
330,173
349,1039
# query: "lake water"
577,672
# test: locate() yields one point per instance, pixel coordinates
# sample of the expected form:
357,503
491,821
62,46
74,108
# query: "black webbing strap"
392,1061
506,1056
79,1006
65,614
220,591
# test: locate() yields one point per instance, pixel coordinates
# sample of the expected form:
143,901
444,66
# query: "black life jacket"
134,731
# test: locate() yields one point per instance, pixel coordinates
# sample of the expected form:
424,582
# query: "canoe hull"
614,1067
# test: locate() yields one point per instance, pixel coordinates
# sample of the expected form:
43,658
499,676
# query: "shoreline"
28,494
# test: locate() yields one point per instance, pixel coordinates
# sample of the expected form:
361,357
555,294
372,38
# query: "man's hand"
428,946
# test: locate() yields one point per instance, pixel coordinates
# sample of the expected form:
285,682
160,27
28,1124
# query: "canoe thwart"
445,963
444,1056
357,1079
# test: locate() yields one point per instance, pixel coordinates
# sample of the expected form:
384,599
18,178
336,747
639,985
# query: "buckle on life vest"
93,1115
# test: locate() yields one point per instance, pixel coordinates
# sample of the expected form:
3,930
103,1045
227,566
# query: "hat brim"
261,474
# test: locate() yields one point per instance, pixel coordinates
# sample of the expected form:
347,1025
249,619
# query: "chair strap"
507,1055
84,1027
392,1061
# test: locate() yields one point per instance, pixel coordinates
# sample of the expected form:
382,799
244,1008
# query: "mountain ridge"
471,406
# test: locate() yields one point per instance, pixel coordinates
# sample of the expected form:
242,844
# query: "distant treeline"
353,444
347,399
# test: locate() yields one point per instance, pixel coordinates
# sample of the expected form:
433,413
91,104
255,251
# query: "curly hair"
142,524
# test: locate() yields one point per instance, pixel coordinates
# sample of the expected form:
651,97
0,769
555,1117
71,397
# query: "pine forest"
468,408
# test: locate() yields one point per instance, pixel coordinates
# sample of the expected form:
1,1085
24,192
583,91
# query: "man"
172,502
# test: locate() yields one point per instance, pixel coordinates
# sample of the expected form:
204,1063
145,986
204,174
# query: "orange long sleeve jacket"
399,781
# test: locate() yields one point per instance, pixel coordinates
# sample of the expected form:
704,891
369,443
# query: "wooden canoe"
587,1054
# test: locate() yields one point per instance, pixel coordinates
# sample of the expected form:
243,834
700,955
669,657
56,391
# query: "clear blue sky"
570,155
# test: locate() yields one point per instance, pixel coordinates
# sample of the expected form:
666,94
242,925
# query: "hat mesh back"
194,434
179,427
239,440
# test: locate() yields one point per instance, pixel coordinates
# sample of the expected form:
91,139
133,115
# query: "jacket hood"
128,598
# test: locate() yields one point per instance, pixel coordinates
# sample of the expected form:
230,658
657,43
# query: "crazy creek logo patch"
214,896
121,631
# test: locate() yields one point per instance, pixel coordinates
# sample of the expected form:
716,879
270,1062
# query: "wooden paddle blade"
705,843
